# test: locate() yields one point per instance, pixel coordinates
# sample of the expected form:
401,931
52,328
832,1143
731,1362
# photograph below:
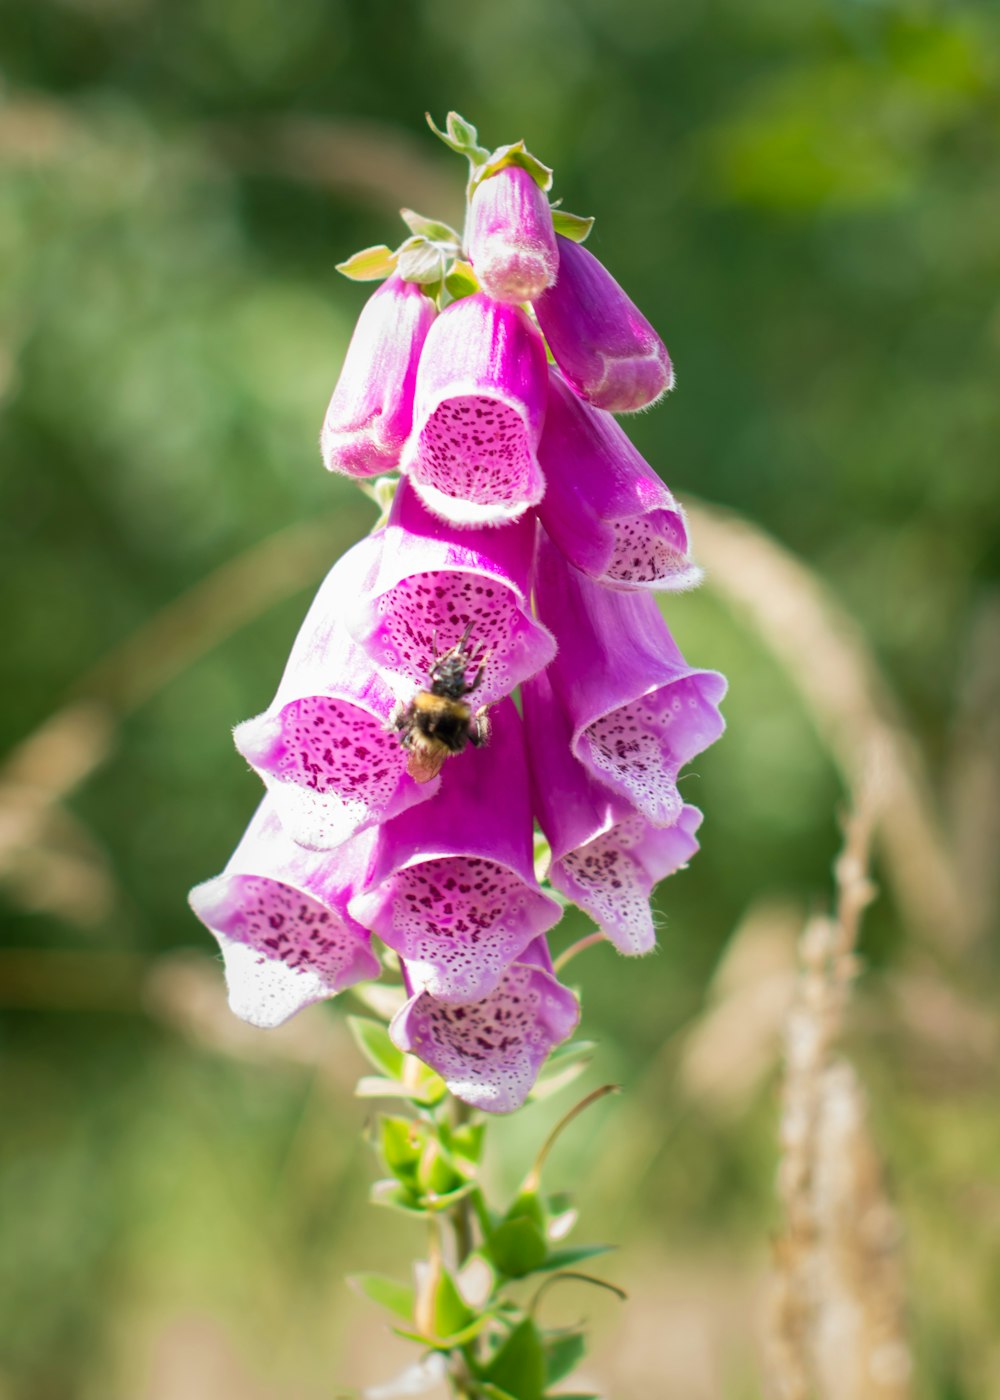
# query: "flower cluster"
520,557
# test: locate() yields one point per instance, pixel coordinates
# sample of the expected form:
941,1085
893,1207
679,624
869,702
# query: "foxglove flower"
510,238
452,886
638,711
606,857
601,341
322,747
604,506
489,1052
480,401
432,582
280,916
371,411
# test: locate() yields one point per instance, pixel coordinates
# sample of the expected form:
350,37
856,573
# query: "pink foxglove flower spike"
604,506
606,857
432,582
371,411
323,747
480,402
490,1051
639,712
510,238
601,341
452,885
279,914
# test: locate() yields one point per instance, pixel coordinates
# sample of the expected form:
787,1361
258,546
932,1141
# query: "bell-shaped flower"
434,581
604,506
323,747
480,402
371,411
489,1051
279,913
452,885
600,339
510,238
638,711
606,857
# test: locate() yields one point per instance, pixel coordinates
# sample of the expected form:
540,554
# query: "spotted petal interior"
489,1053
458,922
608,883
639,748
476,449
426,614
651,549
283,949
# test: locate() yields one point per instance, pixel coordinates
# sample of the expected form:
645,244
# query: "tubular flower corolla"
480,402
600,339
371,411
323,747
279,914
452,889
511,241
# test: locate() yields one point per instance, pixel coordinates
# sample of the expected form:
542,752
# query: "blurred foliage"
802,196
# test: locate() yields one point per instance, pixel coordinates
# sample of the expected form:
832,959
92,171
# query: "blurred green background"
803,197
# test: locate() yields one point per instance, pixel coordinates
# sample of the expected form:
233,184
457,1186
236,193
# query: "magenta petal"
322,747
371,411
480,401
601,341
604,506
510,238
606,857
452,885
638,711
280,916
490,1051
432,581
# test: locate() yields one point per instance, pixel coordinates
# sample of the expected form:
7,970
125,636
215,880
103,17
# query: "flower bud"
600,339
371,411
480,402
510,238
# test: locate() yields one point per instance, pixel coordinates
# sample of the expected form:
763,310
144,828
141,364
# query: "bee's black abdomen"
442,719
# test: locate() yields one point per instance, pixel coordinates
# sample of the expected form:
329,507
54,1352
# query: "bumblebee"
437,722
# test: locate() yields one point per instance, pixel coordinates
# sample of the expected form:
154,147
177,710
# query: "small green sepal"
515,154
398,1298
421,260
433,229
461,281
563,1352
518,1367
372,1039
517,1247
461,136
575,226
369,265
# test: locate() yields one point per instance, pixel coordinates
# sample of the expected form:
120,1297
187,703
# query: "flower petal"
452,886
489,1052
279,914
322,747
604,506
371,411
432,582
639,712
600,339
480,401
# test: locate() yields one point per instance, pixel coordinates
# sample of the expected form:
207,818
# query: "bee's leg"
479,729
398,717
481,667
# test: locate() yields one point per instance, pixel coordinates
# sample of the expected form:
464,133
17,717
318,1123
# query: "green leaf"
422,1083
449,1311
519,1366
435,1173
372,1086
563,1351
369,265
402,1142
493,1392
457,1339
397,1297
461,281
517,1247
372,1039
565,1258
420,260
430,228
575,226
396,1197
